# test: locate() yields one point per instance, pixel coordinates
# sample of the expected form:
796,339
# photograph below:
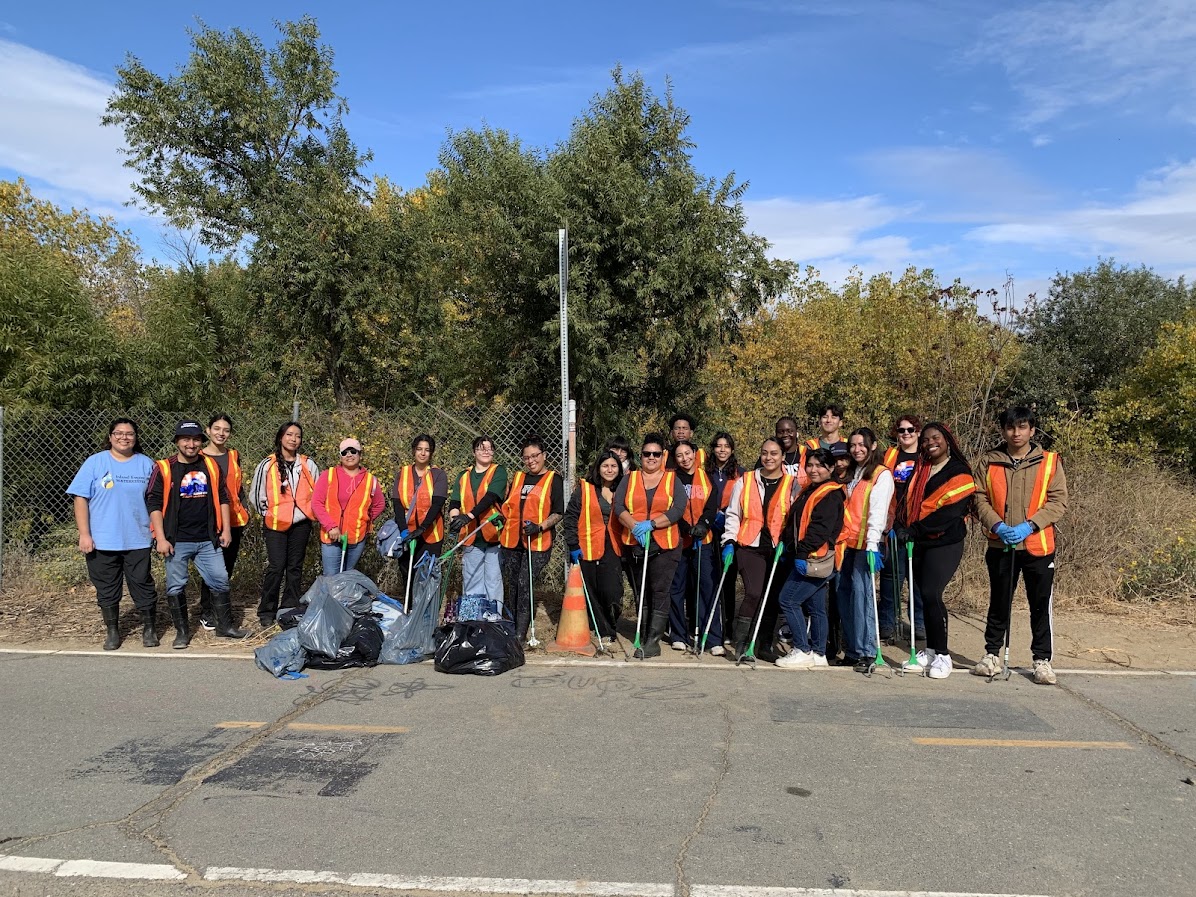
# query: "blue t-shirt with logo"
115,493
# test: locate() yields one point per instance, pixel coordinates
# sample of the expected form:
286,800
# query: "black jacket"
825,523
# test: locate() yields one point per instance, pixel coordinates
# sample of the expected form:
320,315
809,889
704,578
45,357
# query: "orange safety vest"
855,514
955,489
535,509
819,493
891,454
699,492
751,514
996,484
813,444
236,509
728,487
637,506
592,529
280,503
419,497
469,501
354,517
213,486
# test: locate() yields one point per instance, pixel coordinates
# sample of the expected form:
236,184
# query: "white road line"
28,864
99,869
748,891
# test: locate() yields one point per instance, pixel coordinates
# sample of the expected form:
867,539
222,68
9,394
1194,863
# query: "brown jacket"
1020,478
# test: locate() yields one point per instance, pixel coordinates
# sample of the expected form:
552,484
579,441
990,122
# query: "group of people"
821,533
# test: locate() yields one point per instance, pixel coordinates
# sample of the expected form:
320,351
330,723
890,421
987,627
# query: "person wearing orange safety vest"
419,495
695,571
755,517
476,495
865,520
592,534
793,453
830,420
189,517
282,488
899,458
724,469
681,429
347,499
811,529
649,504
1021,493
933,517
535,505
220,428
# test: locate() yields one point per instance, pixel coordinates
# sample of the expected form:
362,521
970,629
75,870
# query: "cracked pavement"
643,773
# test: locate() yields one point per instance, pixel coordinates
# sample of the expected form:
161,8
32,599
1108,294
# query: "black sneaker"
887,636
863,665
207,623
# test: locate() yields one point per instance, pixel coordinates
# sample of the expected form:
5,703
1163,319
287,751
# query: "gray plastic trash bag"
282,654
410,638
353,589
325,625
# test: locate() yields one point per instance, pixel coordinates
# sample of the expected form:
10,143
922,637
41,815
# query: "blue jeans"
208,560
682,593
897,565
330,556
481,571
802,599
857,609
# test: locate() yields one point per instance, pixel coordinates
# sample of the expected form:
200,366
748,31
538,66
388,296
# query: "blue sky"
979,139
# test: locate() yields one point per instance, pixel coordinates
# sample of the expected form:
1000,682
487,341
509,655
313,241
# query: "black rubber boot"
656,628
740,634
149,632
111,616
177,605
207,616
223,608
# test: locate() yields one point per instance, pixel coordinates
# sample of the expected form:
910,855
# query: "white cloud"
1126,55
52,134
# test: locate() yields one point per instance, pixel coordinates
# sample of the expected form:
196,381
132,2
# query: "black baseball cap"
188,428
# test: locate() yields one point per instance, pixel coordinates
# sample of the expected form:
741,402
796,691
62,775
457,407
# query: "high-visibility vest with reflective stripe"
213,486
236,510
891,454
592,530
955,489
817,495
280,503
855,513
699,492
751,513
354,517
417,498
996,484
813,444
637,506
535,508
724,500
469,501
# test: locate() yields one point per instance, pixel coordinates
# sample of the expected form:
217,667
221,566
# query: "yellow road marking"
1030,743
317,727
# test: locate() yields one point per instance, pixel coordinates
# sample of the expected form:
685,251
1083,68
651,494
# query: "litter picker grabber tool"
602,649
344,550
718,595
1005,671
750,654
463,542
532,641
410,563
637,648
697,599
878,663
913,664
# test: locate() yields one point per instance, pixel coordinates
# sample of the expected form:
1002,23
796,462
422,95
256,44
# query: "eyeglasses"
651,454
350,451
533,457
119,435
907,430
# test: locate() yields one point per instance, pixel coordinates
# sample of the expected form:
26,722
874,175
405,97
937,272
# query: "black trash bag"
360,648
484,649
290,617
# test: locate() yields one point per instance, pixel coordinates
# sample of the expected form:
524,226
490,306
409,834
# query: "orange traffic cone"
573,632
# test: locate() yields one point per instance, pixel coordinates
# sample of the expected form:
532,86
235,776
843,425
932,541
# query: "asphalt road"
666,777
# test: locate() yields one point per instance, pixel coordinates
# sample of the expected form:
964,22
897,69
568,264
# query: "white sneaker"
678,646
797,660
989,666
820,660
718,651
1043,674
919,661
940,667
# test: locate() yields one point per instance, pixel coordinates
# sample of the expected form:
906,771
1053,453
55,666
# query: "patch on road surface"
305,764
158,760
908,713
605,685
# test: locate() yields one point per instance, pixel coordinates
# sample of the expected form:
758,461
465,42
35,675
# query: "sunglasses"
350,451
906,430
652,454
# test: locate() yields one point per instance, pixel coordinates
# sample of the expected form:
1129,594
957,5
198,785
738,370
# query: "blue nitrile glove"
575,556
720,520
728,553
404,535
1001,531
876,560
800,566
642,532
1018,534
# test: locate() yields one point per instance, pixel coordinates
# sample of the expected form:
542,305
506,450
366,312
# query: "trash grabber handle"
639,614
776,559
410,563
714,605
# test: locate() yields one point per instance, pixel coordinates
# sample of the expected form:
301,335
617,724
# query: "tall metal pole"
563,265
1,496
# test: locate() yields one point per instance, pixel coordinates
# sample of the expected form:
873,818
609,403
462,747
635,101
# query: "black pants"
1038,573
755,566
934,565
517,587
230,561
604,582
284,557
834,623
662,566
421,548
110,570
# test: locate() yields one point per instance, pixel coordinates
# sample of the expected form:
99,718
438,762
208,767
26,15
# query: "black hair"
823,456
952,443
594,477
278,448
622,444
531,441
712,465
1017,414
477,443
221,416
681,417
424,437
107,446
787,420
653,439
874,455
833,408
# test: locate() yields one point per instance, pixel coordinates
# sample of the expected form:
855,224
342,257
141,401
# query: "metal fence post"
1,496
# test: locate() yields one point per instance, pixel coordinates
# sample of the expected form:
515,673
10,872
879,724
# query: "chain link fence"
41,450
